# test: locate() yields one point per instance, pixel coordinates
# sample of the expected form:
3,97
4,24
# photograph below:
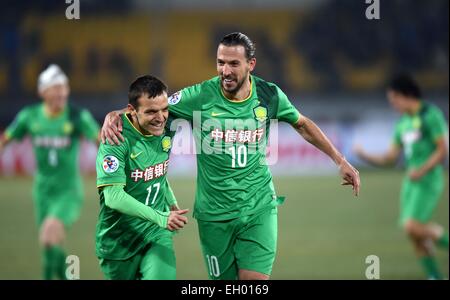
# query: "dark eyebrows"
232,62
156,110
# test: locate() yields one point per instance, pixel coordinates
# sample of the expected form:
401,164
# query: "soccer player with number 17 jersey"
138,210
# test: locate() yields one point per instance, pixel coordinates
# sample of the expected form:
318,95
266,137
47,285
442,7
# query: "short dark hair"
147,84
240,39
405,85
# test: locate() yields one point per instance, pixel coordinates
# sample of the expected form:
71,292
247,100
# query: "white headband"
53,75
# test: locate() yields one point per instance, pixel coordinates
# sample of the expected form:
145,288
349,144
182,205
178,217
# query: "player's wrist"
163,219
339,160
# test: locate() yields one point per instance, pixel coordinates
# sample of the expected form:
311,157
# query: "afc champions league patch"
110,164
175,98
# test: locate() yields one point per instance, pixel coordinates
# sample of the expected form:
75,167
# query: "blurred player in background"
422,134
236,203
55,128
138,209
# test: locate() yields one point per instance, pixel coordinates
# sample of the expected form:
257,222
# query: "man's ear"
252,63
41,95
131,109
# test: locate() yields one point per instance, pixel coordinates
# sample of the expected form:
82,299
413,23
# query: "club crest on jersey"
67,128
416,123
175,98
166,143
260,113
110,164
35,127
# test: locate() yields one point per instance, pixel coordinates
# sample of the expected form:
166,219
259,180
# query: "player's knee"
414,229
52,233
48,239
252,275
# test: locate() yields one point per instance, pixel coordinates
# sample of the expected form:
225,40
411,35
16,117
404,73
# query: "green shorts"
420,198
245,243
156,261
64,205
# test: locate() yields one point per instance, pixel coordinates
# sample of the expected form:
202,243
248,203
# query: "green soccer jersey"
417,134
140,165
233,177
55,143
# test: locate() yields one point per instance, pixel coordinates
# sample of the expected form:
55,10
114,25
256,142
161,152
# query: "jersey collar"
55,116
250,95
127,118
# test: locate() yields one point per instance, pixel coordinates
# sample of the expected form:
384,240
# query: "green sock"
47,259
60,263
443,241
430,266
54,263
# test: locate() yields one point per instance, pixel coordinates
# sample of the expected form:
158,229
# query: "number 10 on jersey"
238,155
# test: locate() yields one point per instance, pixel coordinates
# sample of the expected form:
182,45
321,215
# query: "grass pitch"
324,232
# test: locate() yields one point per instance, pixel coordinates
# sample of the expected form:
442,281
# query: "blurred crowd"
329,48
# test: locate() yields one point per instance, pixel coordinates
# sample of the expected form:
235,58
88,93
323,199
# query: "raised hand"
177,220
112,128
